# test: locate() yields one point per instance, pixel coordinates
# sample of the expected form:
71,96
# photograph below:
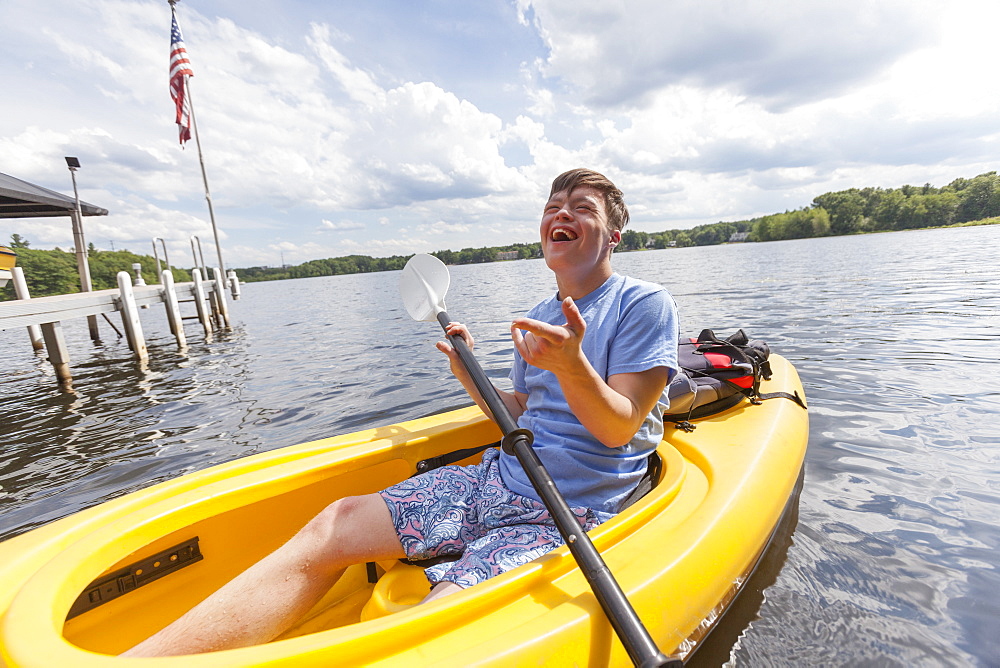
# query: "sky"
389,128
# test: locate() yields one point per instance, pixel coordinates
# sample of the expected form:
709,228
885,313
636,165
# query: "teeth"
563,234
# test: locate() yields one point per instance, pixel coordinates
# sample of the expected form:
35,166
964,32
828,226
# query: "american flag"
180,68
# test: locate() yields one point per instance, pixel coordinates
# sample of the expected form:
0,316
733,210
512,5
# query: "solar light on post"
82,265
139,280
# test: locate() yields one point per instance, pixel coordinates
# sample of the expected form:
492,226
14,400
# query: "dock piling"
55,346
220,292
199,301
173,308
130,316
21,292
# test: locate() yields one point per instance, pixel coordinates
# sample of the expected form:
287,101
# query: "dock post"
234,284
173,307
21,291
220,291
199,302
130,316
55,345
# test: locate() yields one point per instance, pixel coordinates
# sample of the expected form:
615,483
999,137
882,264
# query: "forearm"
610,416
509,399
514,405
613,410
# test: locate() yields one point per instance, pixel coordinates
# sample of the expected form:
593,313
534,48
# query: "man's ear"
616,238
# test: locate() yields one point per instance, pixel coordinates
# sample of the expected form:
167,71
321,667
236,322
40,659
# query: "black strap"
649,480
431,463
684,421
794,396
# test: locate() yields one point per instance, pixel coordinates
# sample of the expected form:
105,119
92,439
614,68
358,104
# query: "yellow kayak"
124,569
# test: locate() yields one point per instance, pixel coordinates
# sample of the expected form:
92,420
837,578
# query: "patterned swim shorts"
468,510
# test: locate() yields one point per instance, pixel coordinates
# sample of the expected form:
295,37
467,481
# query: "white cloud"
442,227
700,111
342,226
355,83
783,52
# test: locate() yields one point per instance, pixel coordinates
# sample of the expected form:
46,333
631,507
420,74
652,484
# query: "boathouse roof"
20,199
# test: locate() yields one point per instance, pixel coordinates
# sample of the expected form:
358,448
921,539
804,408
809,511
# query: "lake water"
893,560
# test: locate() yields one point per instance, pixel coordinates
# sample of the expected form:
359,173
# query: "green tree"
845,208
662,239
889,213
761,230
48,272
980,198
105,265
715,233
634,240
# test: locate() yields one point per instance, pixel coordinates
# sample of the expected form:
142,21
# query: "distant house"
737,237
508,255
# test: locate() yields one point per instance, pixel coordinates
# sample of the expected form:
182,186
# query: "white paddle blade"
423,286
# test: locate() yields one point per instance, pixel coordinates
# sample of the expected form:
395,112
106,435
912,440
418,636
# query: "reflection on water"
893,560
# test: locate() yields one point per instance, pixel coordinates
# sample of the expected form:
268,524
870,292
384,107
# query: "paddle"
423,286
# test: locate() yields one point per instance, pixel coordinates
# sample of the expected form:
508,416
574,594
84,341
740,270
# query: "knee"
332,523
334,515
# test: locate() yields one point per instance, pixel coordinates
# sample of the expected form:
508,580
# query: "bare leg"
440,590
267,598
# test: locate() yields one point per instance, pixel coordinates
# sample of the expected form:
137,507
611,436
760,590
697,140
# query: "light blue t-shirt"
631,327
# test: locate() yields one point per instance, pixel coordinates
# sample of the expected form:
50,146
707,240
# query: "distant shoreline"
50,272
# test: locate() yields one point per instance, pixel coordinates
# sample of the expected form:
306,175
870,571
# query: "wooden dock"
43,316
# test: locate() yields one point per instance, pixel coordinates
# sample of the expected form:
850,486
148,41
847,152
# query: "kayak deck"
679,554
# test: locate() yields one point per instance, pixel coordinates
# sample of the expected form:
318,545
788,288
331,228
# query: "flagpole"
201,160
204,177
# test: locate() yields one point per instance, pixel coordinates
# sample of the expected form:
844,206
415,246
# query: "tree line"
54,272
852,211
362,264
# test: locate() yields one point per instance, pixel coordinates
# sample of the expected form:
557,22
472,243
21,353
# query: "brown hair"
614,201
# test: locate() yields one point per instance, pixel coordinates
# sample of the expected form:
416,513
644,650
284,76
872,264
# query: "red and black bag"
717,374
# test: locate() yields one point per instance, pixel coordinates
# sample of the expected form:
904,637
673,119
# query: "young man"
590,368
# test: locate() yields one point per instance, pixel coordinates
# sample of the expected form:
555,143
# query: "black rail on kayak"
135,575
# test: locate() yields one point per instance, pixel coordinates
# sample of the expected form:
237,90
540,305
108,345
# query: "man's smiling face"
575,233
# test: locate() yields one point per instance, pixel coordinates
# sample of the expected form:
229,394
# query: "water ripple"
894,558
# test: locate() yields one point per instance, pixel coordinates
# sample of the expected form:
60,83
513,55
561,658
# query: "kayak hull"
680,554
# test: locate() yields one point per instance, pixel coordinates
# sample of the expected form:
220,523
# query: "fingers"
461,331
542,330
574,320
574,328
529,346
535,340
518,339
547,346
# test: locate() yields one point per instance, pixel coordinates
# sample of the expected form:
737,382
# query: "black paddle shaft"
638,643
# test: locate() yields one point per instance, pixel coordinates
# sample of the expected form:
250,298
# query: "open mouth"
562,234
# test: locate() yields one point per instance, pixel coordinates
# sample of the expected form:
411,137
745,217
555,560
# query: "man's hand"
457,368
515,402
611,410
554,348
